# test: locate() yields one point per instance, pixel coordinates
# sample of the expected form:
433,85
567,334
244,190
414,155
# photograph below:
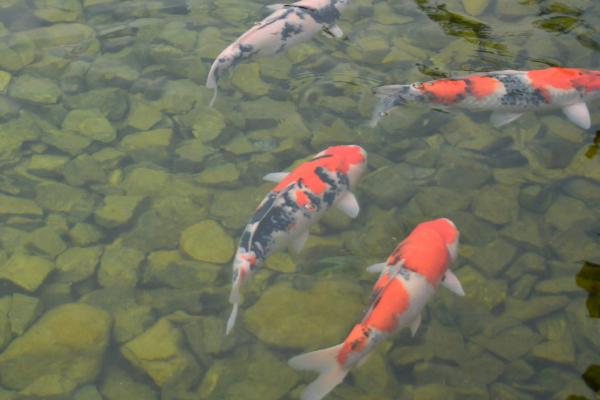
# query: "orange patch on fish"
483,86
589,80
559,78
394,300
333,159
301,197
445,91
355,342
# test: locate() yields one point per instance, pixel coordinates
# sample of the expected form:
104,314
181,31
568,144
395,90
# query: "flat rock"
10,205
119,267
160,353
66,345
35,90
117,210
323,314
90,123
77,263
26,271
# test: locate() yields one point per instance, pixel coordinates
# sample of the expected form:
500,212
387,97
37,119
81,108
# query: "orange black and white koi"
300,199
289,24
409,278
508,94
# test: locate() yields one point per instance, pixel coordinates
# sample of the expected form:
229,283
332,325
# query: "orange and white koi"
409,278
299,200
508,94
289,24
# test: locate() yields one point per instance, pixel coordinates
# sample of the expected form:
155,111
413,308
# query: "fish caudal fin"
331,373
234,298
232,318
388,97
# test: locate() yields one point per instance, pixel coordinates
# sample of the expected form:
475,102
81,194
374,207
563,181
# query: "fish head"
430,249
340,4
351,160
589,82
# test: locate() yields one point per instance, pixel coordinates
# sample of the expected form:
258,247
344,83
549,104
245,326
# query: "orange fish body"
299,200
506,93
408,280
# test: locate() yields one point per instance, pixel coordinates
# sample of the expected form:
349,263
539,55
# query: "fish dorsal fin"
451,282
578,114
501,118
414,325
275,177
376,267
297,244
348,204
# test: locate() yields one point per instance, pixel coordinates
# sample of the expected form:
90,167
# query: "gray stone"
24,310
83,234
10,205
46,240
207,241
497,204
168,268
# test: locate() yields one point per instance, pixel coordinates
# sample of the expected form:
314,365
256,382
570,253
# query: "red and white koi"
508,94
299,200
409,278
289,24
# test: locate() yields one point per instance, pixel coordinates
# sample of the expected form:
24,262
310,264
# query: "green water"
122,196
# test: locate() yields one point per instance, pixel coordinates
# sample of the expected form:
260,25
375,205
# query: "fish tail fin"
388,97
234,298
324,361
232,318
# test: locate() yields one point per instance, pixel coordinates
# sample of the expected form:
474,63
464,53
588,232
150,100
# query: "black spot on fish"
519,93
290,30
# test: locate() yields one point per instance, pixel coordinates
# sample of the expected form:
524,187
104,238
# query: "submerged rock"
207,241
35,90
119,267
26,271
117,210
63,349
168,268
159,352
90,123
10,205
77,263
118,384
323,314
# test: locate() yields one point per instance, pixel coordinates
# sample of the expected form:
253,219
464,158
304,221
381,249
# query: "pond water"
123,195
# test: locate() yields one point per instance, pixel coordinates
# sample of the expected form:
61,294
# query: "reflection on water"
122,196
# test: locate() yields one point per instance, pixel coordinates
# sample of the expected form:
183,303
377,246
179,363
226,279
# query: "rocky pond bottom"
122,196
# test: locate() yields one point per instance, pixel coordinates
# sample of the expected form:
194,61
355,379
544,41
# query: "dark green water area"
122,197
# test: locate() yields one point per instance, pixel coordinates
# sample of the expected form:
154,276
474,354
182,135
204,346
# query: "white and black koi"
289,24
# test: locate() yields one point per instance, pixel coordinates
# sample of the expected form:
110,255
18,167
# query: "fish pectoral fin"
335,31
275,176
297,244
451,282
414,325
578,114
348,205
376,267
501,118
276,6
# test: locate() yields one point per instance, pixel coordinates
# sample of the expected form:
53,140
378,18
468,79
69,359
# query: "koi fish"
299,200
408,279
289,24
508,94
